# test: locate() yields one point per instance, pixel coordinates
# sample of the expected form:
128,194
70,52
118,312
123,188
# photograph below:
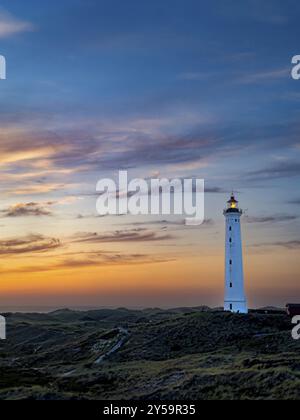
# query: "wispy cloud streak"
10,25
134,235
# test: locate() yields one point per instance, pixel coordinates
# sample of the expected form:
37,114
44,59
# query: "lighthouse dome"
232,205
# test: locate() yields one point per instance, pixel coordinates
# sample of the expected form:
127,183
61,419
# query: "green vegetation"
151,354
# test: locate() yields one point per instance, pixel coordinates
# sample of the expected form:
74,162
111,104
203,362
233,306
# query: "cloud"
110,259
215,190
90,260
135,235
288,244
10,25
136,143
140,147
37,189
296,201
28,245
31,144
272,219
44,155
268,75
27,209
266,12
166,222
37,209
284,169
264,76
291,245
163,222
39,149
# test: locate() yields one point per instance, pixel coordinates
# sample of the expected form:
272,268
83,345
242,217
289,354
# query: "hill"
152,354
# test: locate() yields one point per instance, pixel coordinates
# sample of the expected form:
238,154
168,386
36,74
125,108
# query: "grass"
169,355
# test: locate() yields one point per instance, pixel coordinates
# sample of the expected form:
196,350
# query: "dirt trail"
124,334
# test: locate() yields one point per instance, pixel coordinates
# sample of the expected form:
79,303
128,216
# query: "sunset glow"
89,93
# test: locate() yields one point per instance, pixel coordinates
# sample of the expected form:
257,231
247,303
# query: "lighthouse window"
230,228
231,306
230,262
230,240
230,285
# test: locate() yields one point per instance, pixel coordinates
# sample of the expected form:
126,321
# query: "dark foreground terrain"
150,354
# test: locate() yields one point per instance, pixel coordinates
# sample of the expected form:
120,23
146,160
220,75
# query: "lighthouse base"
238,307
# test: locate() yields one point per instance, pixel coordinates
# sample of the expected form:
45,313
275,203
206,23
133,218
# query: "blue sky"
173,88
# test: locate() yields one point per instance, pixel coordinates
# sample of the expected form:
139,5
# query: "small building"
293,309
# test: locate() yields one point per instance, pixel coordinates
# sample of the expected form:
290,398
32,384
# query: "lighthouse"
235,299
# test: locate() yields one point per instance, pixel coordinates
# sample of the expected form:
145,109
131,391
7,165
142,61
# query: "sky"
161,89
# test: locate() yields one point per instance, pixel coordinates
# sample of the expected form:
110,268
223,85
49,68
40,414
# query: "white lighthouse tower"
235,299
